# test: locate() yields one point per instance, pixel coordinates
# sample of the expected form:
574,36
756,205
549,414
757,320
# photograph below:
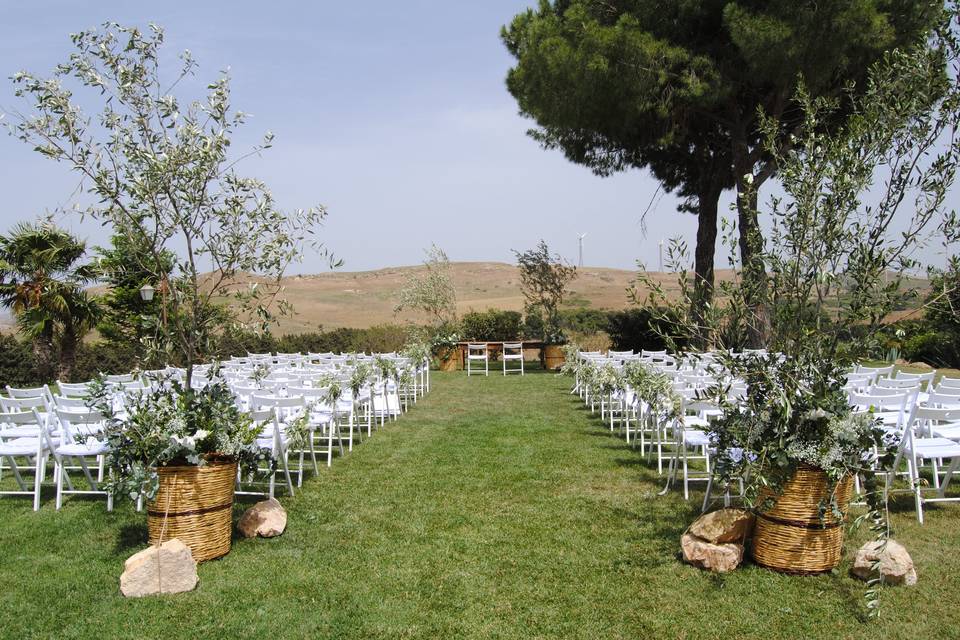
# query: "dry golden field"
366,298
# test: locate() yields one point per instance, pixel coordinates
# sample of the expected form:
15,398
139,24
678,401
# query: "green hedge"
17,367
491,325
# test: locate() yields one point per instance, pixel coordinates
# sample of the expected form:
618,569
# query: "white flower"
748,178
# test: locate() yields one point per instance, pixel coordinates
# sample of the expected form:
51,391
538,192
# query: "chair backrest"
949,382
898,383
121,377
919,377
885,391
515,348
922,417
70,404
30,417
280,403
29,392
902,403
946,400
80,423
21,417
477,349
74,389
24,404
946,391
881,372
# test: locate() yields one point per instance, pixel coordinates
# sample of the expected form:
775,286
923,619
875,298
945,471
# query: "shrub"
584,321
938,348
17,367
636,329
491,325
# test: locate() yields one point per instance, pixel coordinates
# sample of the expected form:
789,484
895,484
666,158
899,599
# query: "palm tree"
43,286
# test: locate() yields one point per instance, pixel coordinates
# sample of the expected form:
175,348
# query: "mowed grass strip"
496,508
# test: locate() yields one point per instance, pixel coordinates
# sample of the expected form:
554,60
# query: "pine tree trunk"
704,263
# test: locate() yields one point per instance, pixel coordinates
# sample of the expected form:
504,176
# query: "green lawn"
496,508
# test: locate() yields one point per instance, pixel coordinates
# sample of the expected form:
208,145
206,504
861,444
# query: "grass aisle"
497,508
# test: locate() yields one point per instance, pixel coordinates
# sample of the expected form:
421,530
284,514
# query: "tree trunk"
754,275
704,264
43,356
68,354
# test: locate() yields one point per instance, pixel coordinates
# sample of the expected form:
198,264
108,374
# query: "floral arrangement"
607,379
418,352
174,426
443,340
360,372
653,387
795,412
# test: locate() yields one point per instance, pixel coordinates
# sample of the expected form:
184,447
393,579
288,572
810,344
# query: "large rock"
168,568
720,558
724,525
266,519
896,565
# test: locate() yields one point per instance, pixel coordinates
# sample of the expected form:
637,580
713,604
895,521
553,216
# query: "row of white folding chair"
931,435
64,435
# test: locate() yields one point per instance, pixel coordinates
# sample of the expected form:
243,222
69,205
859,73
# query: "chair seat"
22,431
91,448
696,438
20,447
950,431
936,448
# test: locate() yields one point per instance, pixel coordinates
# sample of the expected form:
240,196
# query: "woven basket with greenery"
792,536
195,505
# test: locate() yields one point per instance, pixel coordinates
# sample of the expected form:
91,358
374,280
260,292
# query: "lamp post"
146,294
660,245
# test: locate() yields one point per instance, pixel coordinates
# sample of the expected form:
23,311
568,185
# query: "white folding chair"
81,438
512,352
477,353
920,440
271,438
25,435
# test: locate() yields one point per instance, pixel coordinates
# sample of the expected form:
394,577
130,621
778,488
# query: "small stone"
719,558
168,568
724,525
896,565
265,519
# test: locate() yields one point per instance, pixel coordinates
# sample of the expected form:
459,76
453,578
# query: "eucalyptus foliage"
160,171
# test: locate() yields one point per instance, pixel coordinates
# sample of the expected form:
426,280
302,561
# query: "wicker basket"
449,359
195,505
791,537
553,357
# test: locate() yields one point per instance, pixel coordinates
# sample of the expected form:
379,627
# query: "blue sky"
394,116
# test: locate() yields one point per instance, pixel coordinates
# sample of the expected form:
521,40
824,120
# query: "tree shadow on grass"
129,537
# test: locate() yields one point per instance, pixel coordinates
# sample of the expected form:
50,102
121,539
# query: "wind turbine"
580,238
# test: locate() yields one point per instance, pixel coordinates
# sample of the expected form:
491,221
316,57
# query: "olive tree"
160,170
543,280
431,292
